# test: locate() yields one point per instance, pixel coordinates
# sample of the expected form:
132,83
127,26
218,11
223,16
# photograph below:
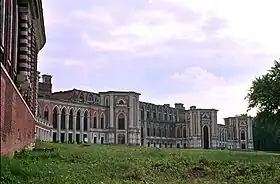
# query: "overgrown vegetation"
265,95
76,164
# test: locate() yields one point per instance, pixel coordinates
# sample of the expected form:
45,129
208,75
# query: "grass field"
76,164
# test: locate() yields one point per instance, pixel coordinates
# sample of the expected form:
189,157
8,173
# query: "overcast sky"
197,52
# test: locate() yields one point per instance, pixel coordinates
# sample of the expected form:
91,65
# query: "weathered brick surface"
17,122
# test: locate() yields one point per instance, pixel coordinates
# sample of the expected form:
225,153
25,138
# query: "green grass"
76,164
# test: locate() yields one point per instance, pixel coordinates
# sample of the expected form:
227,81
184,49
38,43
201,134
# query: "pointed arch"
78,120
121,101
55,113
179,132
71,119
56,106
95,119
63,118
206,142
102,120
184,132
86,115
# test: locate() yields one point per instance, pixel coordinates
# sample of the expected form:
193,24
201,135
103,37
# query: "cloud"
202,52
198,78
208,91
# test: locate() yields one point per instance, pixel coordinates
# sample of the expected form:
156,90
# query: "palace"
119,117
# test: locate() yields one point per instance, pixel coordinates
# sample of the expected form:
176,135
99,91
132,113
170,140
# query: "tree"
264,95
265,91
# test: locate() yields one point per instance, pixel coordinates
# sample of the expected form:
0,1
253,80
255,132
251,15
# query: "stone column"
111,111
74,127
130,118
249,127
111,136
66,127
213,123
138,121
45,135
198,124
82,128
237,128
191,124
58,126
88,132
50,136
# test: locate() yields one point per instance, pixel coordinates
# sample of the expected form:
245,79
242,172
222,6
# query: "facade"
118,117
237,133
22,36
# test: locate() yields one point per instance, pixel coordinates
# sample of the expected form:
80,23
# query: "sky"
197,52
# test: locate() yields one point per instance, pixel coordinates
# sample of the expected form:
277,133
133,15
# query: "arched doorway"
205,137
86,121
121,139
55,117
71,116
63,119
78,121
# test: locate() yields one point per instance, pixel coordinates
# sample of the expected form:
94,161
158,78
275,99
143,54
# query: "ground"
77,164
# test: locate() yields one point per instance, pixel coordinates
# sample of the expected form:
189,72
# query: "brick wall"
17,122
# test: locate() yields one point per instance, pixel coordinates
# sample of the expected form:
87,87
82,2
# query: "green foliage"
266,130
115,164
265,95
265,91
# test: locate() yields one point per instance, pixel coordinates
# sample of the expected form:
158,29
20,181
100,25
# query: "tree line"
264,94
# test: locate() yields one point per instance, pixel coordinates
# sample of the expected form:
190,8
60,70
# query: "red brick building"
22,36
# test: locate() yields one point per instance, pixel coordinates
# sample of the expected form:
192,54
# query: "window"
155,115
81,99
243,137
95,122
142,115
46,115
121,122
148,115
102,122
89,98
107,101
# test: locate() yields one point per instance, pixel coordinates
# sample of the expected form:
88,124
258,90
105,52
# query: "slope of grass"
76,164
